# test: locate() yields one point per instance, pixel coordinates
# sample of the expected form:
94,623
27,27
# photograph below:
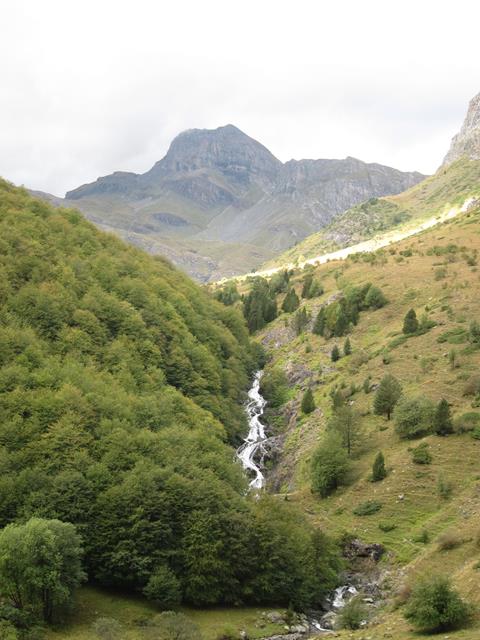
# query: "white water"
256,434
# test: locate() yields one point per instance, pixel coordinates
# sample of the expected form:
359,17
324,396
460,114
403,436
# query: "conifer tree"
319,324
308,402
410,322
307,284
341,323
378,469
442,420
291,301
387,396
347,347
335,354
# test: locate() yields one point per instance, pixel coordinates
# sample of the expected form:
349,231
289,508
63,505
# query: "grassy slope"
447,188
130,612
422,366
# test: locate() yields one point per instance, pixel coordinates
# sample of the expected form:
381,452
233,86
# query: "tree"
379,471
308,402
300,320
346,423
387,396
435,606
413,417
163,588
442,420
329,465
307,283
40,565
291,301
410,323
341,322
347,347
335,353
319,324
375,299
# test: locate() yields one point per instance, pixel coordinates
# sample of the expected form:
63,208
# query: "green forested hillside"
121,385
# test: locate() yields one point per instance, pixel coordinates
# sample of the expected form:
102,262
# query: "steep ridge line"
367,246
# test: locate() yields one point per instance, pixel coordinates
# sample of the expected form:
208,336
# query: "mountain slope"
450,187
121,396
436,274
218,192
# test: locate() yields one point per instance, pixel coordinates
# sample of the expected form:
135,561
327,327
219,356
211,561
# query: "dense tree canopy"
121,387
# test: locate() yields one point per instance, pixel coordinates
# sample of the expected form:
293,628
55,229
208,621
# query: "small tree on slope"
378,469
308,402
410,323
387,396
442,420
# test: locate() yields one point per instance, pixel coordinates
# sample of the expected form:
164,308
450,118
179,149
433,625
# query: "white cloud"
89,88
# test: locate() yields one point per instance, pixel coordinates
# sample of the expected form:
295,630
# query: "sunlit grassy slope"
443,284
449,187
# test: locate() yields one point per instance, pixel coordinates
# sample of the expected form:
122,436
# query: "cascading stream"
256,435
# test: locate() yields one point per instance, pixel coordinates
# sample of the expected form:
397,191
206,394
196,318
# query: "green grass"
130,611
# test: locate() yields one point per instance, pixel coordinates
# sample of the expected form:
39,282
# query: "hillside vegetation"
426,511
448,188
121,390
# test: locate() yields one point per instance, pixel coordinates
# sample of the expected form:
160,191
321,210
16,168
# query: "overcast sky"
90,87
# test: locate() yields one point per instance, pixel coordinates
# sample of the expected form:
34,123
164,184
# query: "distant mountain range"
220,203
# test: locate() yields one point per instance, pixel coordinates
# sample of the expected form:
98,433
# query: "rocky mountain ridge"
467,141
219,192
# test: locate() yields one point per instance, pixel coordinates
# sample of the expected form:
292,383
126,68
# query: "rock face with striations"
220,203
467,141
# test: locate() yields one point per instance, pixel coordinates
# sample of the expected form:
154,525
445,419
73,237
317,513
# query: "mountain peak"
467,141
226,149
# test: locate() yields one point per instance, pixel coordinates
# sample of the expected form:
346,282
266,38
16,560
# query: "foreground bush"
353,613
435,606
40,566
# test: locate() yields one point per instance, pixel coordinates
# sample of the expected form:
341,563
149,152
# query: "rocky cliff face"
219,188
467,141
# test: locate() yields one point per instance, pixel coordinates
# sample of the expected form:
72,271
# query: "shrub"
467,422
386,526
274,387
7,631
367,508
435,606
421,454
472,386
347,347
448,541
107,629
353,613
444,487
172,626
423,537
413,417
163,588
